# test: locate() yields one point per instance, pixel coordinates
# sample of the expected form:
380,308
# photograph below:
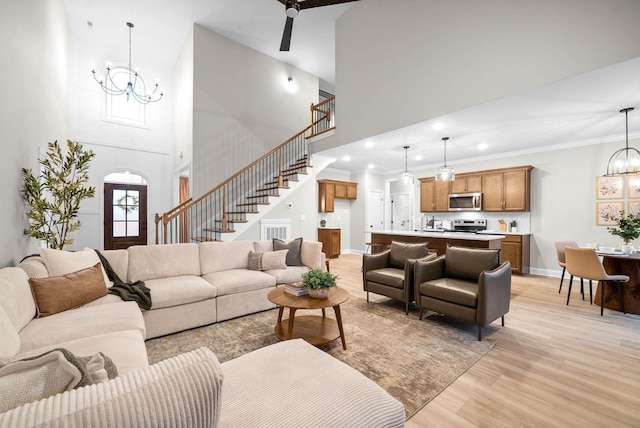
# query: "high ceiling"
580,110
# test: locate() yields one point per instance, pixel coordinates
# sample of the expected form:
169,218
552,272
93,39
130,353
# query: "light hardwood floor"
553,365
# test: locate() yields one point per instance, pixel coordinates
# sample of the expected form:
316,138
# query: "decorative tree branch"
54,197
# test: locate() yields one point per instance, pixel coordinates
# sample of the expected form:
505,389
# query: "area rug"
412,360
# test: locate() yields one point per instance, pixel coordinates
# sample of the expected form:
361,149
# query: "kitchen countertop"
496,232
442,234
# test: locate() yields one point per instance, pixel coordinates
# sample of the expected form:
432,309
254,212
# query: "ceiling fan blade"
308,4
286,35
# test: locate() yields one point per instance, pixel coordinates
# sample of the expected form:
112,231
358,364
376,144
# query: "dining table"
617,263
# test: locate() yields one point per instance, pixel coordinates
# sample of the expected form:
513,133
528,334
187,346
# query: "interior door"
125,215
400,212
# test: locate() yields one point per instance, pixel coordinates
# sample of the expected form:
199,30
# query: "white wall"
397,66
34,107
241,106
183,107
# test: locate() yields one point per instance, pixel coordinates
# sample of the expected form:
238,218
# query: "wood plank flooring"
553,365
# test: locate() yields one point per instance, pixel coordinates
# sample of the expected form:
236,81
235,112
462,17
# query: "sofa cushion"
221,256
268,260
289,274
179,290
119,261
81,322
387,276
163,261
452,290
401,251
294,256
263,246
60,262
15,297
239,280
34,267
311,254
9,337
467,263
60,293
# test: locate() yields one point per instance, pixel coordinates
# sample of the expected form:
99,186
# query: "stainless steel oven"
465,202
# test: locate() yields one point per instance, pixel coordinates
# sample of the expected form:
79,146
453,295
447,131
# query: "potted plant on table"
628,228
319,283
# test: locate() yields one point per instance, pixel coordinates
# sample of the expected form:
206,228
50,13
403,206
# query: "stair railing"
323,116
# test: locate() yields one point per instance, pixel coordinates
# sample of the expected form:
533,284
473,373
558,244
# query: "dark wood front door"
125,215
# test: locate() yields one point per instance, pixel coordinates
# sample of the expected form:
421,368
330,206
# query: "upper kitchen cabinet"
434,195
329,190
467,183
506,189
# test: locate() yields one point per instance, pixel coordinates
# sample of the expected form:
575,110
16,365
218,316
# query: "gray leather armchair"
390,272
465,283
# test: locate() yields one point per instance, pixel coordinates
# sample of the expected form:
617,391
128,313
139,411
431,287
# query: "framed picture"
607,212
633,186
610,188
633,207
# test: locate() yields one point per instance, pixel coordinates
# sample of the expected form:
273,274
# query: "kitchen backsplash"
523,219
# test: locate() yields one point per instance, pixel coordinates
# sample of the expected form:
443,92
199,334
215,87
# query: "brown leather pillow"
467,263
401,251
60,293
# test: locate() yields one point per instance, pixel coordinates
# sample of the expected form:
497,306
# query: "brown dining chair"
560,245
584,262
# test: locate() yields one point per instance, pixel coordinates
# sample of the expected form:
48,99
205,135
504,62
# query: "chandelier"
125,80
445,172
624,161
406,176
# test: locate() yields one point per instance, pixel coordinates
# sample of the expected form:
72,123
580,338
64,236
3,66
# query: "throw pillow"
268,260
60,262
294,257
401,251
60,293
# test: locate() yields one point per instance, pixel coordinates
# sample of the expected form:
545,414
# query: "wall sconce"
291,85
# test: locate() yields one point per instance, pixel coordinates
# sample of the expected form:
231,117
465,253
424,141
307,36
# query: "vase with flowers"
628,228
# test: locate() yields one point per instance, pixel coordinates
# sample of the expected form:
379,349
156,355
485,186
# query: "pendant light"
445,172
624,161
406,176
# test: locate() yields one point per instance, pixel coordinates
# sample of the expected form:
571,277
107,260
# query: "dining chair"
560,245
584,262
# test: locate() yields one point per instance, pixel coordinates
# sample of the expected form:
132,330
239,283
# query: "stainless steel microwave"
465,202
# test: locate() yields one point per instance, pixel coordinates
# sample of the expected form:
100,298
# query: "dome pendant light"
445,172
624,161
406,176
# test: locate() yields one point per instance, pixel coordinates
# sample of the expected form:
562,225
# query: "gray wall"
34,107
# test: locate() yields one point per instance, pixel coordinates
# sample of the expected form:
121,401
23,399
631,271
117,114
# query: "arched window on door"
125,210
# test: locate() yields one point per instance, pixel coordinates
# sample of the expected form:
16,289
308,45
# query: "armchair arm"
432,268
183,391
409,276
494,293
373,261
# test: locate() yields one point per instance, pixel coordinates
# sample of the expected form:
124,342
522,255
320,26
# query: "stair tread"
243,212
275,195
217,230
229,220
266,189
204,239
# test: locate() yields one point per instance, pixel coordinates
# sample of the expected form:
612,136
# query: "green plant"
318,279
54,196
628,227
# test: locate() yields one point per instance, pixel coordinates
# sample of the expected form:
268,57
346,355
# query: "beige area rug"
413,360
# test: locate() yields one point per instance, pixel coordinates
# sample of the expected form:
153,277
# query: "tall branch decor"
54,196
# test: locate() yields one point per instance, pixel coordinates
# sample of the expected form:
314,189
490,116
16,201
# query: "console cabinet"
330,238
329,190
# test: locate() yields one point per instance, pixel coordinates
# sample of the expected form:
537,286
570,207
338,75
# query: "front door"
125,215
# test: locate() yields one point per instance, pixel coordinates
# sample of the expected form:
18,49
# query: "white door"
375,212
400,211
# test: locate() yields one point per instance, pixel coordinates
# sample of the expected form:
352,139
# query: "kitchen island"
436,240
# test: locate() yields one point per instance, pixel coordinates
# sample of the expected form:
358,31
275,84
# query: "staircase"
249,194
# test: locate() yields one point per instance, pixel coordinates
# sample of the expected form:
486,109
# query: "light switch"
303,217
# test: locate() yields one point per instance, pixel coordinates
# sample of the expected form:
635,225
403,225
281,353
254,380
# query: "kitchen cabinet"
506,189
434,195
467,183
516,249
329,190
330,238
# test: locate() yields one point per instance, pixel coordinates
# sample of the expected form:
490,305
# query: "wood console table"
626,265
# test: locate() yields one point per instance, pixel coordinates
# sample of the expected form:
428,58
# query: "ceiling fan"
293,7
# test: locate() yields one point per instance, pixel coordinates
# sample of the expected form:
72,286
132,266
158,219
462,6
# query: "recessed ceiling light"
346,158
371,166
419,157
483,146
437,126
368,144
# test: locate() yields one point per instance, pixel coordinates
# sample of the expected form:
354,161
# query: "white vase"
319,293
626,249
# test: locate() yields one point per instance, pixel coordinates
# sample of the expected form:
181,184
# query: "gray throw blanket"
136,291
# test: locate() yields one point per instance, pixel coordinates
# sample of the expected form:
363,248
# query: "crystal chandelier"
406,176
445,172
125,80
624,161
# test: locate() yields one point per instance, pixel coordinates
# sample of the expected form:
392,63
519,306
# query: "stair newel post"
165,221
157,219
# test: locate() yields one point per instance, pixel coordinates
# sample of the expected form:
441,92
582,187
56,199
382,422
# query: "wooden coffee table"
315,329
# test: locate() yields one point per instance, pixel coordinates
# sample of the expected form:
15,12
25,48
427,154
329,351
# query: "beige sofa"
191,285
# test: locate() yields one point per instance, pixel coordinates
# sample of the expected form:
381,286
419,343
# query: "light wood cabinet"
329,190
516,249
434,195
466,183
506,189
330,238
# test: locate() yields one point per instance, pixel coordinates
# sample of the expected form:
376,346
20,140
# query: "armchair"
465,283
390,272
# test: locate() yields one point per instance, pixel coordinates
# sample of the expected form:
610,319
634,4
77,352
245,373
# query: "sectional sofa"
191,285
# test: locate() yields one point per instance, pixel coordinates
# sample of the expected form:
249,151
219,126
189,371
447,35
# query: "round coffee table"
315,329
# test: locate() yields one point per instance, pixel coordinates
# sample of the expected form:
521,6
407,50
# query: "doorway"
401,211
125,215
